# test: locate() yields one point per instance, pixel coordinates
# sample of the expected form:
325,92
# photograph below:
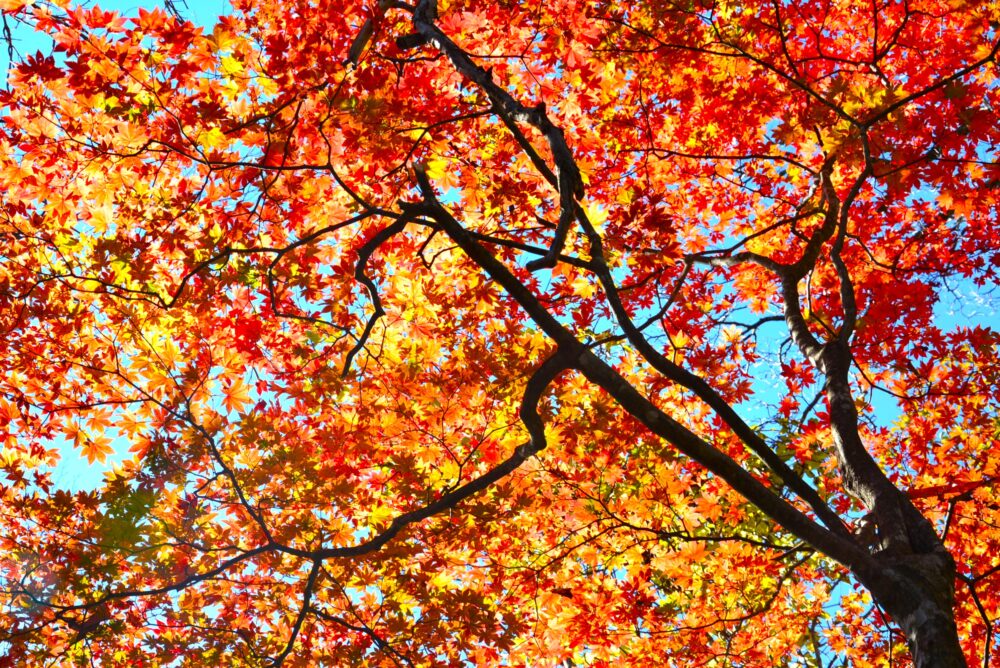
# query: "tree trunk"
911,574
918,592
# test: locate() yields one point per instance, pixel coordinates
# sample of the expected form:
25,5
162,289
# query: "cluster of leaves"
213,257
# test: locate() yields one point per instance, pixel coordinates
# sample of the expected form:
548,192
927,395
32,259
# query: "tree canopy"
566,333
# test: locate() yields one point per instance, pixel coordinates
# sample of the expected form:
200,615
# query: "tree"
500,333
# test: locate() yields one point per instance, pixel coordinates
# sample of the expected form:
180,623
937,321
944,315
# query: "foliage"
499,333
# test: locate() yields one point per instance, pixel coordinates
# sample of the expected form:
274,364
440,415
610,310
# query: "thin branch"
988,642
533,391
300,618
380,642
364,254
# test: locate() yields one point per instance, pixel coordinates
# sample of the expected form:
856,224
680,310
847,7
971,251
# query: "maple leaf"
95,447
236,395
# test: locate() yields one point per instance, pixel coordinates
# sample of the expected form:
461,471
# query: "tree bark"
918,592
910,574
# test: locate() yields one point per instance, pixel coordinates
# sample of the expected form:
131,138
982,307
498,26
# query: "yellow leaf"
597,214
121,272
222,38
215,233
101,218
436,168
14,5
582,287
380,515
231,66
213,138
443,581
268,86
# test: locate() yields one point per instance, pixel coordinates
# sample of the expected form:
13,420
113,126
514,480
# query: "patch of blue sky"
26,41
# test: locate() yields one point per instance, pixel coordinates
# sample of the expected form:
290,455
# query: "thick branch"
597,371
568,180
702,389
